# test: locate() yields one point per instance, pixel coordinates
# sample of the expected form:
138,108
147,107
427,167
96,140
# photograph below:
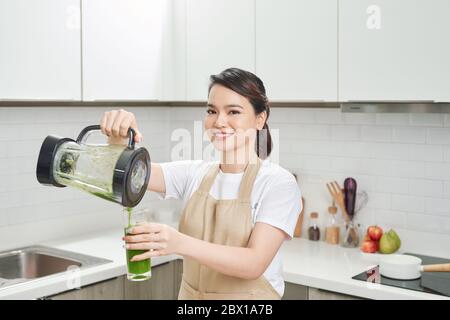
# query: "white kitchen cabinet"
40,50
296,49
220,34
394,50
122,49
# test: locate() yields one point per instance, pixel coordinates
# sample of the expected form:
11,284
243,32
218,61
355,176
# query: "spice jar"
313,230
332,228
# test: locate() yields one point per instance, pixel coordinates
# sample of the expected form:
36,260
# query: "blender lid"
44,169
131,176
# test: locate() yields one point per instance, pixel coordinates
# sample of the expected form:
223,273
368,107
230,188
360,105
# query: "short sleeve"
177,174
281,205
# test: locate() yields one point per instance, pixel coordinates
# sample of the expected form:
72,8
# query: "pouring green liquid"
137,270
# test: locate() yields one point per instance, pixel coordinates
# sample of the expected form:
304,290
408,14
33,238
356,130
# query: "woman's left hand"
159,239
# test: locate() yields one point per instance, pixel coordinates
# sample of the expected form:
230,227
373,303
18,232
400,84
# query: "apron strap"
208,179
246,186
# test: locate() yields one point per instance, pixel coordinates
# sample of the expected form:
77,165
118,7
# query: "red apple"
375,233
369,246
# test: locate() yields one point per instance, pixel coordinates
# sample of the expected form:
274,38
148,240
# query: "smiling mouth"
223,136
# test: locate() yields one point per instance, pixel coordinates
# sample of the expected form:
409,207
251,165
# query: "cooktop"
430,282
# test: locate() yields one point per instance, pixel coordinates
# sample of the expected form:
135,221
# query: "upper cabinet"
122,49
296,49
40,50
219,34
394,50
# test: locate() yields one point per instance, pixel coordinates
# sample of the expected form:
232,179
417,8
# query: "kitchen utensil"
113,172
406,267
299,225
350,187
338,196
362,198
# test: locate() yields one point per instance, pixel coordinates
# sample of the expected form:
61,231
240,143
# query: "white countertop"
314,264
331,267
106,244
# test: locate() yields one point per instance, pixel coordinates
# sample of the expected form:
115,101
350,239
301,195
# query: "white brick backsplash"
422,222
315,163
438,136
390,151
446,192
13,166
426,153
291,161
359,118
376,133
445,225
437,206
379,200
303,131
353,149
394,119
329,116
346,133
401,160
409,135
421,187
446,154
388,219
437,171
392,185
447,120
377,167
408,203
407,169
292,115
344,164
426,119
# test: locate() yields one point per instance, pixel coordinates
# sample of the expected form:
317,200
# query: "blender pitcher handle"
83,135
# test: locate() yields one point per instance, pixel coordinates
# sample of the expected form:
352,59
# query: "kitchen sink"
35,262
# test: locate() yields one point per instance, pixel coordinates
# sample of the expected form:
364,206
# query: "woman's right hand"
115,125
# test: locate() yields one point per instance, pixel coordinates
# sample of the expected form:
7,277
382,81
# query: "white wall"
401,160
30,212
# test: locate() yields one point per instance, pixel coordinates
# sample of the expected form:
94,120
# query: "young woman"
237,212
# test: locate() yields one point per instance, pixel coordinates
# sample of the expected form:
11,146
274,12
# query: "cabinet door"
40,50
394,50
220,35
160,287
107,290
122,49
319,294
294,291
296,48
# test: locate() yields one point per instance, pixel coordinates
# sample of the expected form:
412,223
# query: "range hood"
395,107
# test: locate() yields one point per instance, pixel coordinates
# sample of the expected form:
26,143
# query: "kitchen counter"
106,244
313,264
331,267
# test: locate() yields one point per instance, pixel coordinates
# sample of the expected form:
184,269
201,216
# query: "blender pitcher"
116,173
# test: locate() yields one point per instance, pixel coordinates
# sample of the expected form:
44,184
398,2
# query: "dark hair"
250,86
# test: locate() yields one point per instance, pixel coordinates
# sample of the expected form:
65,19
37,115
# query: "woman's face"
230,121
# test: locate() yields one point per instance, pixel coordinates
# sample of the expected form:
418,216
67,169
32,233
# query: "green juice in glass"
137,270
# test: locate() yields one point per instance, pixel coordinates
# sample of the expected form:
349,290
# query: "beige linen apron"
225,222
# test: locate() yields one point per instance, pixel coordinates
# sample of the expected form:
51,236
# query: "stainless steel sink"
30,263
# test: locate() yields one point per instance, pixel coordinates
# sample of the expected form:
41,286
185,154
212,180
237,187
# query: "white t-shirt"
275,199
